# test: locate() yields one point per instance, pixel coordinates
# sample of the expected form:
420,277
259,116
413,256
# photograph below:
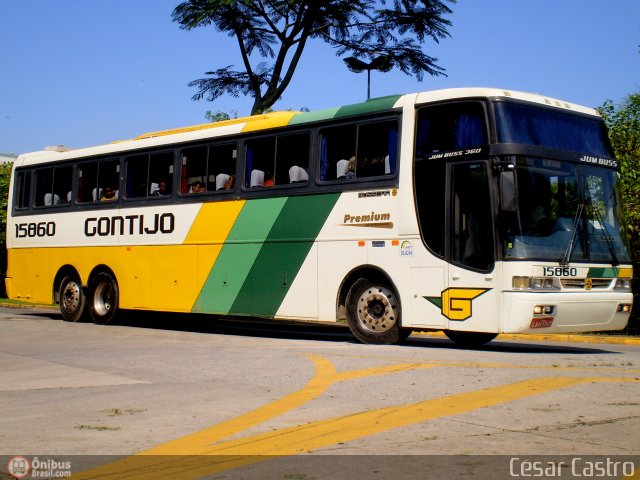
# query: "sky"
88,72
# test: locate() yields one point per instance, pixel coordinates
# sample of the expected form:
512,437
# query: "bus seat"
51,199
257,178
297,174
341,168
221,180
96,193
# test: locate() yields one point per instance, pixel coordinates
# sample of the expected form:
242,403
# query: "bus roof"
285,118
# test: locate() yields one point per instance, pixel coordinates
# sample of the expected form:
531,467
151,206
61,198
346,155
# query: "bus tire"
373,313
470,339
72,299
103,298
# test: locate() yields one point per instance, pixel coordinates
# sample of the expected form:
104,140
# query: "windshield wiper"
566,257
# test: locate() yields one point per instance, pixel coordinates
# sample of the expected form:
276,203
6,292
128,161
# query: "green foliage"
5,178
278,31
216,117
623,122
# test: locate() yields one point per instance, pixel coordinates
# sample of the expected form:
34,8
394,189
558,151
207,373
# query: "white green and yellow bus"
470,211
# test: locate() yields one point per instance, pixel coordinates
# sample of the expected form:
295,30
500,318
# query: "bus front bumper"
531,312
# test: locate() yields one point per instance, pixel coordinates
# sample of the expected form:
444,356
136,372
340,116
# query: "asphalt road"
239,393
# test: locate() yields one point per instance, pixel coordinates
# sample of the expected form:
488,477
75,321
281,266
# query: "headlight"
623,284
535,283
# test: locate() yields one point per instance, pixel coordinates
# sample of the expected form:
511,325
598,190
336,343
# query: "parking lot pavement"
237,393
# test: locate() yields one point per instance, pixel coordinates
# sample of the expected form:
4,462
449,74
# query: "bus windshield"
533,125
566,212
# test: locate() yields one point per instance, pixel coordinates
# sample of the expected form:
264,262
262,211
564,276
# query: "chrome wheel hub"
377,309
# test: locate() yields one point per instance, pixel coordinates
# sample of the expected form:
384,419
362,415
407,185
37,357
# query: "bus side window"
193,169
62,180
160,174
146,172
292,159
450,127
260,162
337,154
377,149
221,168
23,189
95,177
53,186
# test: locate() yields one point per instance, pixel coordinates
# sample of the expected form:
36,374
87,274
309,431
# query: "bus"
472,211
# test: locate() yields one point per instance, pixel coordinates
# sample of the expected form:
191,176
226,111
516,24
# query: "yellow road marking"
324,377
199,456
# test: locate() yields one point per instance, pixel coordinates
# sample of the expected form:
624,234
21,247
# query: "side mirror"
508,191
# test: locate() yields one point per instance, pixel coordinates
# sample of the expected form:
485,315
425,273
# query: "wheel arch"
100,269
64,271
370,272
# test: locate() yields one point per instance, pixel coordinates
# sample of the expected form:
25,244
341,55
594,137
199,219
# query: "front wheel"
103,300
373,313
470,339
72,299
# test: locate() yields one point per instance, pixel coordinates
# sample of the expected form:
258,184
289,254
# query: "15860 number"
40,229
560,271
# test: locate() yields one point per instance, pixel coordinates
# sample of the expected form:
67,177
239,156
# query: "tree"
623,122
278,31
5,178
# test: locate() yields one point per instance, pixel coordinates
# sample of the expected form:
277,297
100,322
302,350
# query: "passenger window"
53,186
260,162
98,181
150,175
282,160
377,149
450,127
208,169
359,151
292,159
338,153
23,189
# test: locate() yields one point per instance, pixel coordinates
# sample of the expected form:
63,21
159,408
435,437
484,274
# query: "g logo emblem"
456,303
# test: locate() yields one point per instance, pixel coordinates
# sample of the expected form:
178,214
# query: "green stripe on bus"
370,106
603,272
283,253
315,116
238,254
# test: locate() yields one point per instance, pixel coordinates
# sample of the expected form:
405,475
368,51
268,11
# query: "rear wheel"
470,339
373,313
104,296
72,299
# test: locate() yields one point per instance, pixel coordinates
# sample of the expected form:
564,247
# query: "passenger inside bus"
110,194
161,188
345,169
197,187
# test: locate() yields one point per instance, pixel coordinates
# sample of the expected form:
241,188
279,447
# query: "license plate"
543,322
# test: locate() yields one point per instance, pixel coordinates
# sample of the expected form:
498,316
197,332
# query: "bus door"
471,298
